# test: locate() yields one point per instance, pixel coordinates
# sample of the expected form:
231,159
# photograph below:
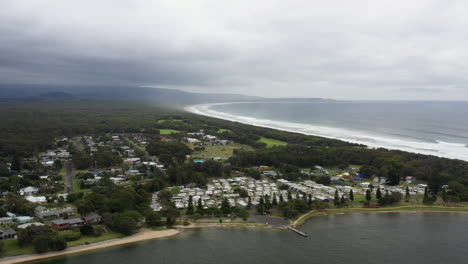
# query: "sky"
350,49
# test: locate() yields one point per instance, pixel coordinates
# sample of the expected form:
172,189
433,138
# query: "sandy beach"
141,236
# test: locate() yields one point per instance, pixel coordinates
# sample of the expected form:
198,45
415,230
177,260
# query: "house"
36,199
51,213
24,226
193,141
7,233
92,219
410,179
27,191
66,224
6,220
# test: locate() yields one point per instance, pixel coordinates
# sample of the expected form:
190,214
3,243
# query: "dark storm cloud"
338,49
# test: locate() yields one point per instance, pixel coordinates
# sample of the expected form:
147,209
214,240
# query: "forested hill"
161,97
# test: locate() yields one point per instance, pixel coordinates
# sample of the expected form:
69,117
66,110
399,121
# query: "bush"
44,243
87,230
98,231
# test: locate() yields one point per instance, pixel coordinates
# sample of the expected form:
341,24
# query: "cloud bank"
335,49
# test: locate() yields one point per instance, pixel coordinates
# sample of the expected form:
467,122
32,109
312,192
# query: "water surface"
413,238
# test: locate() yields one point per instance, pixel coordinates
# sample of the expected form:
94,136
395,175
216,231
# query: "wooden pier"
304,234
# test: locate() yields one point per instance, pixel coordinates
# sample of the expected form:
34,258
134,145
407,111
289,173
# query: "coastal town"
91,187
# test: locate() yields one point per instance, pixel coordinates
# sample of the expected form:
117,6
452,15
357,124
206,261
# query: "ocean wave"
436,148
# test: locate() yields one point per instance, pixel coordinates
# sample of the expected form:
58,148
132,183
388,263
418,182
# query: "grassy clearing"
91,239
222,130
11,248
170,120
216,151
270,142
168,131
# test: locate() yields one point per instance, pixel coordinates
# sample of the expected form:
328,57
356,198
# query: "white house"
27,191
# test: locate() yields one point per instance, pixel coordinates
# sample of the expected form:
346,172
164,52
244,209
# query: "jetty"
304,234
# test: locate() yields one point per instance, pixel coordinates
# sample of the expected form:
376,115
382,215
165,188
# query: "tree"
190,209
343,201
289,195
244,214
261,206
368,195
225,207
378,194
171,214
87,230
152,218
336,200
407,193
426,198
249,203
200,207
126,222
275,201
351,195
165,196
58,164
281,199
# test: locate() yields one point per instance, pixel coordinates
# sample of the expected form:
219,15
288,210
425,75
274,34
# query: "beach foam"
436,148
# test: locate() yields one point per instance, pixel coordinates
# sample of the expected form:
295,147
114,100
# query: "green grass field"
11,248
270,142
91,239
217,151
224,130
168,131
170,120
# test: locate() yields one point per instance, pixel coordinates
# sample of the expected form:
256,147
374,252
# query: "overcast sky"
336,49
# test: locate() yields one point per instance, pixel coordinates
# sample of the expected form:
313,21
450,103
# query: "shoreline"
399,209
144,235
139,237
203,110
147,234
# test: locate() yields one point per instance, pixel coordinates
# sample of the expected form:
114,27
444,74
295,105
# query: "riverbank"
397,209
224,225
139,237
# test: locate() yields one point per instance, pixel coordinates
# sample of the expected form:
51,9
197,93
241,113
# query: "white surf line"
440,149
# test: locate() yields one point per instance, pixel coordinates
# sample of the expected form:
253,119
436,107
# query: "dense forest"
28,128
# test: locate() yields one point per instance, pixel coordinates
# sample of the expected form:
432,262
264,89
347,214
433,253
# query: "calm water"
436,128
411,238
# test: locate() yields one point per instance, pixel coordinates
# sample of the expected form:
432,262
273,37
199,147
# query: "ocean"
433,128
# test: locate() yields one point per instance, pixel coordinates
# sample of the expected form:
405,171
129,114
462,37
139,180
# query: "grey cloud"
337,49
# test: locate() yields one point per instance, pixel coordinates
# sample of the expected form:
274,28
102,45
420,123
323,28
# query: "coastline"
398,209
324,131
139,237
143,235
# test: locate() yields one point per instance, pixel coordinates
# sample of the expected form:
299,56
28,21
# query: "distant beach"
431,128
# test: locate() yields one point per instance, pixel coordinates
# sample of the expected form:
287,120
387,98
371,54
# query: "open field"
270,142
170,120
217,151
224,130
168,131
84,240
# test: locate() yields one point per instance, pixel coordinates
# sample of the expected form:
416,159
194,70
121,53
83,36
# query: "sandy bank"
141,236
224,225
